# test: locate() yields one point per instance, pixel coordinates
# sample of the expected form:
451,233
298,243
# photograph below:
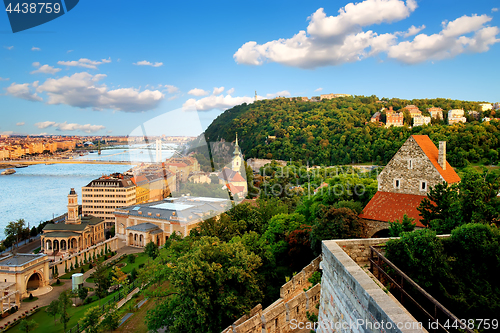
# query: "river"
39,192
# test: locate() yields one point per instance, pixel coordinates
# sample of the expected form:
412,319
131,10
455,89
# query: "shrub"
82,270
90,266
31,297
141,266
131,258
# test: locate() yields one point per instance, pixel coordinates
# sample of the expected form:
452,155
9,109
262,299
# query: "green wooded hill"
339,131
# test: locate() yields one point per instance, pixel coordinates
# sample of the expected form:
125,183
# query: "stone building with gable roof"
405,181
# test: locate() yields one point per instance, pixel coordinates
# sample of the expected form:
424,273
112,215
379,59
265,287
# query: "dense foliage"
339,131
460,272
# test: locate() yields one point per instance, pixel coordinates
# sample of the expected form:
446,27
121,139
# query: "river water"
39,192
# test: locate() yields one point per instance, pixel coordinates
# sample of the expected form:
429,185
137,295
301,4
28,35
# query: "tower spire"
236,138
256,95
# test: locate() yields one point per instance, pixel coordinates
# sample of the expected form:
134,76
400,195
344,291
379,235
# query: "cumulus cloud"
23,91
222,102
170,89
45,69
494,10
319,89
83,90
218,91
84,62
36,64
449,42
198,92
334,40
65,127
35,48
20,124
147,63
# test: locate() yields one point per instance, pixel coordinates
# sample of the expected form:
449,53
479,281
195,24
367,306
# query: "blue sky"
107,67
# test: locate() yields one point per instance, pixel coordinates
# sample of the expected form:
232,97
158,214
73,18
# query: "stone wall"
292,306
409,176
351,301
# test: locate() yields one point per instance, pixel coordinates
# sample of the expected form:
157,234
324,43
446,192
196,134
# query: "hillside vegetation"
339,131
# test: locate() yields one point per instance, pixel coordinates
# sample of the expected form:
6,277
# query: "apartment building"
456,116
421,120
436,113
102,196
413,110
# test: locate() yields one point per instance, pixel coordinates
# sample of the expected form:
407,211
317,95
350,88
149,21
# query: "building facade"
405,181
456,116
155,221
394,118
102,196
436,113
421,120
75,234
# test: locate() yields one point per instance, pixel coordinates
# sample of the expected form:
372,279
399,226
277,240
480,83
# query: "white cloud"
83,90
147,63
284,93
36,64
69,51
109,131
84,62
9,47
448,43
198,92
494,10
23,91
334,40
65,127
220,102
319,89
171,89
45,69
230,91
4,79
20,124
35,48
412,31
218,91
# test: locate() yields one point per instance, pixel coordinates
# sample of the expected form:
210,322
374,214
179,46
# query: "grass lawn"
46,322
68,275
141,258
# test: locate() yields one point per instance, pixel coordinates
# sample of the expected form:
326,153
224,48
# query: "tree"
28,325
405,225
83,293
15,229
111,319
53,309
212,283
64,304
151,249
101,280
90,321
119,278
333,223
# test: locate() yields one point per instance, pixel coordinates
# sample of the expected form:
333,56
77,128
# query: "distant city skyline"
171,68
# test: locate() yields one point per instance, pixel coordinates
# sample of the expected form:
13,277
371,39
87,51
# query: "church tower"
237,158
73,217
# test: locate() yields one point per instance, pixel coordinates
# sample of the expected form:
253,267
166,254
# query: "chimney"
442,154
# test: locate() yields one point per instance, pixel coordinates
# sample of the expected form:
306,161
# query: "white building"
421,120
456,116
486,106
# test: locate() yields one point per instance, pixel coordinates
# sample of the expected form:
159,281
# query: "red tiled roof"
386,206
235,189
432,152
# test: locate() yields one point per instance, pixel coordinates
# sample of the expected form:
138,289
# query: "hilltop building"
413,110
75,234
405,181
436,113
376,118
332,96
421,120
139,224
394,118
485,106
456,116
